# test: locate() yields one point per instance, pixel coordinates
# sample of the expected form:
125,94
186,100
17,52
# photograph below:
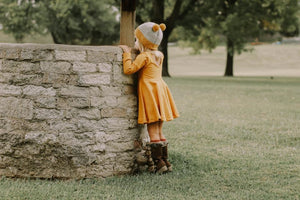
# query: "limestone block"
2,53
111,91
32,90
17,108
43,55
19,67
46,102
5,77
24,79
127,101
88,136
62,125
10,90
56,67
82,67
119,56
105,67
85,125
132,112
70,55
92,113
12,53
125,157
104,102
36,54
68,102
80,161
98,148
122,135
113,112
119,147
15,125
133,123
120,77
94,79
44,114
5,149
34,126
116,124
59,80
10,66
27,54
73,91
28,68
100,56
41,137
100,137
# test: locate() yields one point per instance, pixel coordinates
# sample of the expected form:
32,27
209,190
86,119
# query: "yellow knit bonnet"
150,34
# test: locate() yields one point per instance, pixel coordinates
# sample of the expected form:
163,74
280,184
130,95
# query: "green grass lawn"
41,39
264,60
237,138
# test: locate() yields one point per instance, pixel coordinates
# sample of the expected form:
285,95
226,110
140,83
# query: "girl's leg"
165,153
161,135
153,130
156,148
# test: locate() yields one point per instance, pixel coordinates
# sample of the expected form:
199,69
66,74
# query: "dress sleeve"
130,67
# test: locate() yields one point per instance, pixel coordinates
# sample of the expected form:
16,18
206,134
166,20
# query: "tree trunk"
158,7
229,61
164,49
158,17
55,39
127,22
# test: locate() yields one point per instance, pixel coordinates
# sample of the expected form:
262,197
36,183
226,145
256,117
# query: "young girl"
156,103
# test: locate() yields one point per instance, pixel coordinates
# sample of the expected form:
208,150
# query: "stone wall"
65,112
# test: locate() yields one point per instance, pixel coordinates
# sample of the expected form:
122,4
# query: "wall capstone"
65,112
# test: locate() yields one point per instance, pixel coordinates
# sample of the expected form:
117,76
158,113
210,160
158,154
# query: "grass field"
264,60
237,138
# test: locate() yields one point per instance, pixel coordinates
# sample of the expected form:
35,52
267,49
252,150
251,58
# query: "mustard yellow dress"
155,99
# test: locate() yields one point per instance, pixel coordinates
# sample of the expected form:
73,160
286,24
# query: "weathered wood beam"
127,22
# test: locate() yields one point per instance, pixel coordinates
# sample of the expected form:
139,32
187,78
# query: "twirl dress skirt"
154,97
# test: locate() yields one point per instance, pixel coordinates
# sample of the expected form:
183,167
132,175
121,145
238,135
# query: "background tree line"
197,22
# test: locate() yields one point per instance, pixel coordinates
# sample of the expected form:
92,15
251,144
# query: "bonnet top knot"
156,27
162,27
150,34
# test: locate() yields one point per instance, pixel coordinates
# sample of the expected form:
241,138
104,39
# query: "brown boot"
165,156
156,153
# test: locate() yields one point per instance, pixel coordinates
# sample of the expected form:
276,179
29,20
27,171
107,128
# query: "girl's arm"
132,67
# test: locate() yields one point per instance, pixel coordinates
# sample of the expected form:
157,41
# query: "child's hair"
157,54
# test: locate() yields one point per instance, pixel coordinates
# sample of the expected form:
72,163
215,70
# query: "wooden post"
127,22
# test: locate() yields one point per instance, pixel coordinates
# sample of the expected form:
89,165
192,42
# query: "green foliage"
81,22
240,21
290,22
69,22
19,19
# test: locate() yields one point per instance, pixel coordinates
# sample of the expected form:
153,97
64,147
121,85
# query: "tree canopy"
240,21
69,22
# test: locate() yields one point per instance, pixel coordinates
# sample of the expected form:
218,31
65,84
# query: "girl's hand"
126,49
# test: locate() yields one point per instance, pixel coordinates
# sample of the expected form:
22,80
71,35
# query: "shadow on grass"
185,163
